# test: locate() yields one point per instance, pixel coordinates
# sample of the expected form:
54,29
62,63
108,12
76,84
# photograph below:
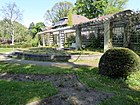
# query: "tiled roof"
107,17
102,17
111,16
77,19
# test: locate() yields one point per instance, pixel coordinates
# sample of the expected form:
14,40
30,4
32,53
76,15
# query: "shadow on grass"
33,69
125,92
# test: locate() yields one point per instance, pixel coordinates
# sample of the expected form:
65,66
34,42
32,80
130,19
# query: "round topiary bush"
119,63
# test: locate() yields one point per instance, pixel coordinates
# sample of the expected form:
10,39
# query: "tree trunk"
12,33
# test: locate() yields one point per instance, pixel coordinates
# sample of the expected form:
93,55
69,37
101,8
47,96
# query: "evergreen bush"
119,63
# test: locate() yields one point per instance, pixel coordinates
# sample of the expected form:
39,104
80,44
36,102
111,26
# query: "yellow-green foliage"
70,23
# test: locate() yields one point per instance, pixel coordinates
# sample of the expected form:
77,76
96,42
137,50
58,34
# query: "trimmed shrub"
119,63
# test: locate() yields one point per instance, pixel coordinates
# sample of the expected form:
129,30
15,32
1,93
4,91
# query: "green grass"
4,50
85,61
32,69
21,93
125,92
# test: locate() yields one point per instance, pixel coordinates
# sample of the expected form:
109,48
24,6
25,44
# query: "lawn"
125,92
21,93
5,50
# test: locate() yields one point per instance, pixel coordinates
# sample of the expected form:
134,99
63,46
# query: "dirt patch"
71,90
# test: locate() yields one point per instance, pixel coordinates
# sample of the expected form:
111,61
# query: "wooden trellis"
110,30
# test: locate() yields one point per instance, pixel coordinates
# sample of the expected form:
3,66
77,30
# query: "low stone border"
41,57
53,58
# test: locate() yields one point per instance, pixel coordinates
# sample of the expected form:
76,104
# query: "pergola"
110,30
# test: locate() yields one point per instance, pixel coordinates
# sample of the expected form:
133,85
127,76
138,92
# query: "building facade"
114,30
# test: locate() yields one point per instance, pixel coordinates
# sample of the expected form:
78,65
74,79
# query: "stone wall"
42,57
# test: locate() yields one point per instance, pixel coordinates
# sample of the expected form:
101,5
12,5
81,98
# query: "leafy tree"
40,26
20,31
94,8
4,29
58,11
114,6
11,13
34,29
90,8
31,26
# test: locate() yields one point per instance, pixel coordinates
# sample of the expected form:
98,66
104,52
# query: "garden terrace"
42,57
52,54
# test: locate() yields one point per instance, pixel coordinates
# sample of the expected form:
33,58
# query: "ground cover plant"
124,92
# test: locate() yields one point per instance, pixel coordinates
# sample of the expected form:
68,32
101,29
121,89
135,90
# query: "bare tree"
11,13
58,11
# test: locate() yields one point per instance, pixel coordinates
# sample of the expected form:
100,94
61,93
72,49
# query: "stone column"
51,39
58,40
39,42
108,32
78,38
43,39
61,37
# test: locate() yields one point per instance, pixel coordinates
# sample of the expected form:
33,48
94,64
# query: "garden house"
114,30
57,34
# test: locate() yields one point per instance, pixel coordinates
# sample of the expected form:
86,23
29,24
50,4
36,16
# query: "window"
101,35
118,33
135,39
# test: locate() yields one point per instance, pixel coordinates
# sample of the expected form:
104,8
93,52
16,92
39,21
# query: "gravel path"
70,90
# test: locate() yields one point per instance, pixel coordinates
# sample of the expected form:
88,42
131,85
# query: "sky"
34,10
